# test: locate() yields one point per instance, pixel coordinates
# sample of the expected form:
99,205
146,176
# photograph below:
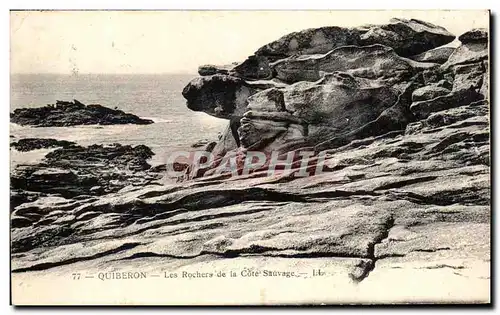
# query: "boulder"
306,113
398,189
429,92
406,37
206,70
218,95
254,68
474,35
436,55
73,113
371,62
74,170
468,76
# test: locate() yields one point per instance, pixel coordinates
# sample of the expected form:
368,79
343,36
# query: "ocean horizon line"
102,73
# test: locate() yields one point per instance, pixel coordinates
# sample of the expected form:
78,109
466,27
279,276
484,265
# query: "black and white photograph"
265,158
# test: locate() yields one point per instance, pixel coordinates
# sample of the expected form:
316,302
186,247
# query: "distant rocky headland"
63,113
400,119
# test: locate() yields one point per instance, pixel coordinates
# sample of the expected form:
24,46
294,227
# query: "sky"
176,41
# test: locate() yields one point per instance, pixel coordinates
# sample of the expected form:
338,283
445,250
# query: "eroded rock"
401,190
474,35
470,51
371,62
218,95
437,55
428,92
407,37
76,170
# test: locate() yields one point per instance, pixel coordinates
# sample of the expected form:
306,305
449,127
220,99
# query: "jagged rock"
468,76
474,35
218,95
75,170
436,55
73,113
428,92
29,144
133,158
338,100
372,62
406,37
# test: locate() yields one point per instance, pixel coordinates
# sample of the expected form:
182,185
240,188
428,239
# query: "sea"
154,96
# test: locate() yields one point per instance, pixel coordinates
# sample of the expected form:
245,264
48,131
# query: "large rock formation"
73,113
406,37
349,84
373,62
396,192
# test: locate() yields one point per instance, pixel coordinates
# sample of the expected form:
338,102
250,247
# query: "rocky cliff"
403,199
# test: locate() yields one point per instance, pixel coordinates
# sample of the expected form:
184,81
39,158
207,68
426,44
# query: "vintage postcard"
250,157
